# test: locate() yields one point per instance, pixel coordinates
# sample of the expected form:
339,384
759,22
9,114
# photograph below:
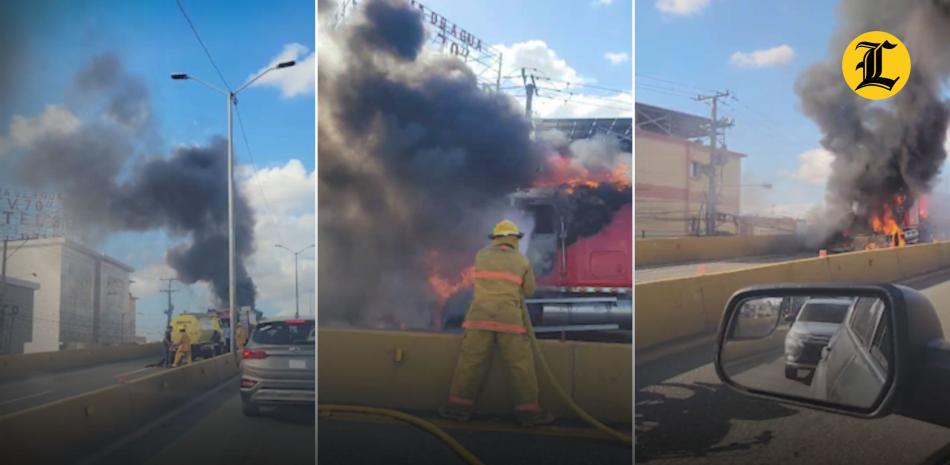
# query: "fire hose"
456,447
413,420
566,398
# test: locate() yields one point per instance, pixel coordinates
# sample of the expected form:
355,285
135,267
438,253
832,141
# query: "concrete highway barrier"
677,309
66,430
23,365
412,371
653,252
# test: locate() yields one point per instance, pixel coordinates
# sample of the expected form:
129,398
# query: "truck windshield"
296,332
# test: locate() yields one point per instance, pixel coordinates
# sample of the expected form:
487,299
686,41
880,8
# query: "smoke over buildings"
100,155
887,149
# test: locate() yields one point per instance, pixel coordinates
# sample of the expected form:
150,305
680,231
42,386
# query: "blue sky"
152,40
568,42
681,53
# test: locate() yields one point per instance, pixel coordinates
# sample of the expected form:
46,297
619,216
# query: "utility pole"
715,161
530,90
169,291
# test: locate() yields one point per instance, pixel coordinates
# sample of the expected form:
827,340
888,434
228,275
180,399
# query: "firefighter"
184,348
502,279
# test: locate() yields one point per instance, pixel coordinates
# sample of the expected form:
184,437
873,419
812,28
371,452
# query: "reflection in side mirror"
835,348
758,318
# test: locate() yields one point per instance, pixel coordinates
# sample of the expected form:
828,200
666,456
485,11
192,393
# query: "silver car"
278,365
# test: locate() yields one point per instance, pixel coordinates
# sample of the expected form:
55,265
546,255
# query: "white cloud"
537,55
294,81
615,58
24,130
780,55
603,2
283,200
814,166
681,7
561,94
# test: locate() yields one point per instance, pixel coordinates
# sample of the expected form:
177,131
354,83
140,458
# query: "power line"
207,52
685,86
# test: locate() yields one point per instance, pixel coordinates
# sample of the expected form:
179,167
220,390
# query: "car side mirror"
861,350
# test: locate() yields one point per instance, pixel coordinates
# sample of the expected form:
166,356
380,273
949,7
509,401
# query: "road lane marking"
26,397
127,373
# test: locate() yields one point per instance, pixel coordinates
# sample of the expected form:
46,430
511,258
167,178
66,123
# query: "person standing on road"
167,345
184,348
502,279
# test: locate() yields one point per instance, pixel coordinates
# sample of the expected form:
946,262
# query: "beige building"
83,295
672,176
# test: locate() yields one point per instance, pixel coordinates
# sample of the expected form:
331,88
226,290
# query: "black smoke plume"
882,150
111,184
415,165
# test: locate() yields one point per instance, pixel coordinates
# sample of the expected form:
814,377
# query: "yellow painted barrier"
412,371
652,252
23,365
68,429
669,310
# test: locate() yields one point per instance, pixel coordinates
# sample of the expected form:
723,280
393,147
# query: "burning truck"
581,249
903,221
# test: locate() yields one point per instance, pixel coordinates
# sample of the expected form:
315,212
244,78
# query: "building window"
696,169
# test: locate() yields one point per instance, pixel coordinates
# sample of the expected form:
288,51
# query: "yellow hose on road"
427,426
566,398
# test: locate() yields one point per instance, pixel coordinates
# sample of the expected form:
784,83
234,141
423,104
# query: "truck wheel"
250,409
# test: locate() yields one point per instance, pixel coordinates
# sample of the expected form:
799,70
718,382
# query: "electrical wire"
201,42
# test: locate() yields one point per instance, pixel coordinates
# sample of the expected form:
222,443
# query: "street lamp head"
286,64
179,76
767,185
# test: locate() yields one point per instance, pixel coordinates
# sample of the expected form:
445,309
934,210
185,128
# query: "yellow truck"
205,332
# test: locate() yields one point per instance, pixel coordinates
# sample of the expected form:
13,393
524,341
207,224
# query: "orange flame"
444,287
883,222
560,171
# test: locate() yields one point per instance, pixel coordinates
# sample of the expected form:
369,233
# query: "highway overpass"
108,408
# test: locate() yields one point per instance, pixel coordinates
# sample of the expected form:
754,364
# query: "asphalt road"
495,441
213,431
44,388
685,270
684,415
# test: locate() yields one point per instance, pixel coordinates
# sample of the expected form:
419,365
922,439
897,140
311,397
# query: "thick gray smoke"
415,166
106,188
882,149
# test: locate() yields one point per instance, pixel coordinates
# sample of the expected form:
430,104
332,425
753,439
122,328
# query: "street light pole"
296,281
232,280
231,101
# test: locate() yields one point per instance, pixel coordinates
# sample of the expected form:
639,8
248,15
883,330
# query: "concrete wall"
667,195
653,252
406,370
69,429
22,365
40,261
16,315
674,309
